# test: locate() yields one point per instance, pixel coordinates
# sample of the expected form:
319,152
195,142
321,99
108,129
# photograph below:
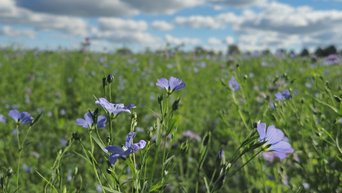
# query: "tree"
326,51
233,49
330,50
305,53
124,51
319,52
199,51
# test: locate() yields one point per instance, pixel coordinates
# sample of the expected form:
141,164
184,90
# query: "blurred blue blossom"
340,121
21,117
2,118
14,131
27,168
170,85
63,141
99,188
191,135
114,109
233,84
275,141
88,121
271,105
129,148
331,60
283,95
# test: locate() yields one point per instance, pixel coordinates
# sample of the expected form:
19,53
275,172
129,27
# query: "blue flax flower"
233,84
114,109
21,117
129,148
275,141
279,96
2,118
170,85
88,121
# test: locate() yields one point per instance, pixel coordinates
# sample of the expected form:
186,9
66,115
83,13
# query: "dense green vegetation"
59,156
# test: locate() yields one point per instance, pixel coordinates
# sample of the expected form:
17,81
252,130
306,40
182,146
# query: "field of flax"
95,122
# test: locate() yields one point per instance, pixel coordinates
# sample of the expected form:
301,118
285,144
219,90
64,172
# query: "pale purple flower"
14,131
275,141
21,117
98,188
340,121
220,154
27,168
233,84
63,141
191,135
283,95
271,105
306,185
88,121
2,118
129,148
170,85
114,109
331,59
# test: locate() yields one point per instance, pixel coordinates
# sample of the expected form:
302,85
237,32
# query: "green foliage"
62,85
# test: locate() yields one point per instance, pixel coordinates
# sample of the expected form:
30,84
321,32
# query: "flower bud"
110,78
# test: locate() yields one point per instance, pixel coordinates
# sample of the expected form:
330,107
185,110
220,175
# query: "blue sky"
212,24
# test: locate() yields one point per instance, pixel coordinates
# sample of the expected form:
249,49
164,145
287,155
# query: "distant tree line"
235,50
319,52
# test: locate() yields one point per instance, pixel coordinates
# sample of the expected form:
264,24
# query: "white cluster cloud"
237,3
181,41
106,8
219,44
260,24
199,21
117,24
9,31
162,6
124,31
162,25
212,22
214,41
10,14
275,25
87,8
280,25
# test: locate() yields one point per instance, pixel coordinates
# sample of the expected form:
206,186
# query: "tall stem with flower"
22,118
165,126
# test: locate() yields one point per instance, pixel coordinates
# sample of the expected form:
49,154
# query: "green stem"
109,115
19,156
224,175
92,160
166,127
239,110
110,128
243,165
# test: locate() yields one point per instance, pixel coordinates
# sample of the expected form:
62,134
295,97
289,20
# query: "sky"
138,24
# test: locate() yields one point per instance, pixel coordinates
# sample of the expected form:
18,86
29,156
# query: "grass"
62,86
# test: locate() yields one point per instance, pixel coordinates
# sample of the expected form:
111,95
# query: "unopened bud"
110,78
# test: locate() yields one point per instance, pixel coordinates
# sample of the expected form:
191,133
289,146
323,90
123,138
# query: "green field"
57,155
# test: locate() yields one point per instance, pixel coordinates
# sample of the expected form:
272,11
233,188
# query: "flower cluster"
331,60
129,148
276,144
